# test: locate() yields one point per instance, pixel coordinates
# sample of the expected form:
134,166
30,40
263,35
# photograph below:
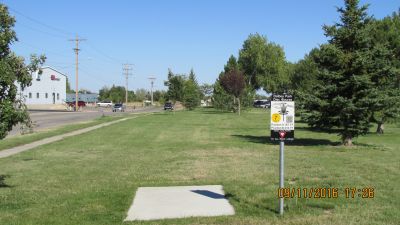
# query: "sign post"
281,174
282,129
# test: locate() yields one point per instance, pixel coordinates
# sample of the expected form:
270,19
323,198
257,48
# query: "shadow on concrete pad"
209,194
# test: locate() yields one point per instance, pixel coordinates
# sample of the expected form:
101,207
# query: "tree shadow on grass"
312,142
316,130
296,142
2,181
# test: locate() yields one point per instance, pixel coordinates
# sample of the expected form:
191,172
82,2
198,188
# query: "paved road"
50,119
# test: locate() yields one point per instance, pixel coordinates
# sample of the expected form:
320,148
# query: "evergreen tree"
191,95
346,96
192,76
175,84
303,78
385,69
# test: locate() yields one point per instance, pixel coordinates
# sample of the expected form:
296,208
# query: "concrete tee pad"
152,203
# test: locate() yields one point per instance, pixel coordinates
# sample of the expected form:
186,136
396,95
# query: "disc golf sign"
282,118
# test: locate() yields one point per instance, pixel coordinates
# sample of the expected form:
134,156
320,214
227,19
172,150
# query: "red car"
80,104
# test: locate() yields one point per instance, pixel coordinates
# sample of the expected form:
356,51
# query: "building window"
47,95
30,95
37,95
58,96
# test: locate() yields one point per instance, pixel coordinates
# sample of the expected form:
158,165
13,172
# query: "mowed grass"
92,178
35,136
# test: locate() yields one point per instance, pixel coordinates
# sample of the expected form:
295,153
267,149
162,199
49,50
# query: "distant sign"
282,118
53,77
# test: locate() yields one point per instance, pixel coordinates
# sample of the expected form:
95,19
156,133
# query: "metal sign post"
282,129
281,178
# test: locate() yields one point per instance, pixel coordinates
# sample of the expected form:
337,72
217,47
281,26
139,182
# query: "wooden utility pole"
76,49
152,83
127,68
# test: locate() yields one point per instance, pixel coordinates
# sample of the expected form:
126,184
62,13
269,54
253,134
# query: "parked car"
262,104
168,105
80,104
105,104
118,107
71,105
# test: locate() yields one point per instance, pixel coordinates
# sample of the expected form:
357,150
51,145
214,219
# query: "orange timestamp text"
326,192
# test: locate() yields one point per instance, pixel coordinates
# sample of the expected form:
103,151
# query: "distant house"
47,88
205,103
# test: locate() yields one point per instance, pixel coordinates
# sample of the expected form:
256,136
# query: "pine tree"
385,69
345,97
191,95
175,84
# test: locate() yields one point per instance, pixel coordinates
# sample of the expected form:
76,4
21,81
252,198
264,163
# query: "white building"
47,88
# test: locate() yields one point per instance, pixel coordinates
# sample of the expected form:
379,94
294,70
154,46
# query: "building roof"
49,67
83,97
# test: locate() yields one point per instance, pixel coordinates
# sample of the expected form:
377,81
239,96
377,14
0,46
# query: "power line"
43,32
41,23
87,73
104,54
63,34
40,49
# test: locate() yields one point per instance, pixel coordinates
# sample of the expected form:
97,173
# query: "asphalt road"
50,119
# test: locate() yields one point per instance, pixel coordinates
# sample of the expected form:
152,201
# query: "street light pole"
151,90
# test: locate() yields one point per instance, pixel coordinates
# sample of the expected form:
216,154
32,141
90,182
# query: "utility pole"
152,83
127,68
76,49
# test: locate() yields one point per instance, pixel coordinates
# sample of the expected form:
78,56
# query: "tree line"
185,89
117,94
351,82
342,86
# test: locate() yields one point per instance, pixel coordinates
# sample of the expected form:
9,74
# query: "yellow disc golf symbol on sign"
276,117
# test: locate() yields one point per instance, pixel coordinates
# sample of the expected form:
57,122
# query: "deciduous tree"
234,83
263,64
13,73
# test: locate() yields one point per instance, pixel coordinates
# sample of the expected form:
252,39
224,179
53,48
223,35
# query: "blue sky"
157,35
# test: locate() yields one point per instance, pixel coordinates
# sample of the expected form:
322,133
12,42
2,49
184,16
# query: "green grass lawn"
92,178
35,136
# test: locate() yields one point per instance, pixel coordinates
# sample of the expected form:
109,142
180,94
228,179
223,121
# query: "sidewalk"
26,147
